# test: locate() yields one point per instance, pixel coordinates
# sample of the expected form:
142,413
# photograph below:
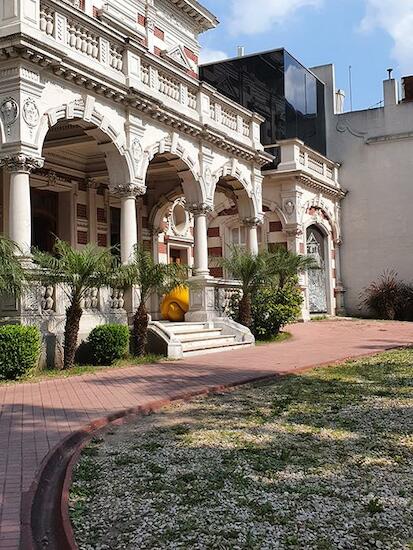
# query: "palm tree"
151,278
251,270
78,271
285,265
11,270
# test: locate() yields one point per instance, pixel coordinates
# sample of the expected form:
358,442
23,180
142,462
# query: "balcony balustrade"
125,61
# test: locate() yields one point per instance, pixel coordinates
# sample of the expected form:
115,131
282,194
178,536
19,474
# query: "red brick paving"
35,417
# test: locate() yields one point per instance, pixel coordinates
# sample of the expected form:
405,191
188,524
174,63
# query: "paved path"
35,417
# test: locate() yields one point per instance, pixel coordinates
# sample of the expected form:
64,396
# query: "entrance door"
317,278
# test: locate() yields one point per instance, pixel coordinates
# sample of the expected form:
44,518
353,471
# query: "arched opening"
316,247
227,225
70,194
167,224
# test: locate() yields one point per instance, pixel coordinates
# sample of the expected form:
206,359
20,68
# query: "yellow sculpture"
176,304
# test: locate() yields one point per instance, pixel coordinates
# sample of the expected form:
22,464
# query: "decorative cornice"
130,97
21,163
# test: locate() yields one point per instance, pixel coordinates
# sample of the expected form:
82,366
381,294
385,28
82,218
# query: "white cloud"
209,56
396,18
257,16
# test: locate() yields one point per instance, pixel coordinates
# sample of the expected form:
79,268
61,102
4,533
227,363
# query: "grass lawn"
321,460
37,375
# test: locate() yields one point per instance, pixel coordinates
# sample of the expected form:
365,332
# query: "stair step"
217,342
206,334
187,328
231,347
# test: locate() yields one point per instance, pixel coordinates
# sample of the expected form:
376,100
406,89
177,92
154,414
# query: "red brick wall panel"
213,231
215,251
275,226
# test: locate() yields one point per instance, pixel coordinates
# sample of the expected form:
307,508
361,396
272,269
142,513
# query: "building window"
239,235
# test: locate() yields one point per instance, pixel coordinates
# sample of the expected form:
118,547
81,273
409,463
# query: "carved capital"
199,209
21,163
252,222
128,190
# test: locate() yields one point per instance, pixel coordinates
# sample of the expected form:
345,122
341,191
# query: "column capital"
21,163
128,190
199,209
252,221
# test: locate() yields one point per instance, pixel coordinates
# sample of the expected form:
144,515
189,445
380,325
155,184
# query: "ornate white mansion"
109,134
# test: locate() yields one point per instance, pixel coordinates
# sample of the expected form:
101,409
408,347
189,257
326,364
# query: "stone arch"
193,185
120,161
249,202
274,207
326,214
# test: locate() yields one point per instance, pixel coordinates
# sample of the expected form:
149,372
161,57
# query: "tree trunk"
73,316
245,311
140,330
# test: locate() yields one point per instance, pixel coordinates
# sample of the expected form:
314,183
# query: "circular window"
179,218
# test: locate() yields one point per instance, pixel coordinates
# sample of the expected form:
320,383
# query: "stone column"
339,290
128,219
251,225
200,212
202,290
20,216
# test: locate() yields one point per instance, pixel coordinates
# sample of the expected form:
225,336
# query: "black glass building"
275,85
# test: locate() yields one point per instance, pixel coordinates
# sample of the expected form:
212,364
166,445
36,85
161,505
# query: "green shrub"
273,308
20,349
108,343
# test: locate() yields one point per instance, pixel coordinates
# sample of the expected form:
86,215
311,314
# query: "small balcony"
293,156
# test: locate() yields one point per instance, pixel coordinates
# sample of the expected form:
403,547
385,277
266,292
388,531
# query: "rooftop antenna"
390,71
350,80
240,51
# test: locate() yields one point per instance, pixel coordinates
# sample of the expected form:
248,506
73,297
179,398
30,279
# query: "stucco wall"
375,149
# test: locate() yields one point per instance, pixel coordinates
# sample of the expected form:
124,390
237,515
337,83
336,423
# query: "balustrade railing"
225,292
295,155
88,37
79,36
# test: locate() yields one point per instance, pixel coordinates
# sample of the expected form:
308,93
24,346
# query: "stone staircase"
177,340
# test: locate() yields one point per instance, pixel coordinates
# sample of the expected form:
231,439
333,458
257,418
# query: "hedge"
20,348
108,343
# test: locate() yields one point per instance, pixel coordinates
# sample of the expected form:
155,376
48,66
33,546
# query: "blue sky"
369,35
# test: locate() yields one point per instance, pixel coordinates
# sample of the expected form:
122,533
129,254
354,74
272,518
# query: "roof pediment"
177,55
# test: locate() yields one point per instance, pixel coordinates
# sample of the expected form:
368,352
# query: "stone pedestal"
202,304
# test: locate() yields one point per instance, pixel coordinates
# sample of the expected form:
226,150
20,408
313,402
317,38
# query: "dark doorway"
45,211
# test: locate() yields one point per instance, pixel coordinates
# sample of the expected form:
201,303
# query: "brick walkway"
35,417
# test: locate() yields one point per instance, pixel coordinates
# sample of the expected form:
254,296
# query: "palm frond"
151,277
12,275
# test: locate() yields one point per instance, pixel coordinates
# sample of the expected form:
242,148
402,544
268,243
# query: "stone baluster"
20,218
